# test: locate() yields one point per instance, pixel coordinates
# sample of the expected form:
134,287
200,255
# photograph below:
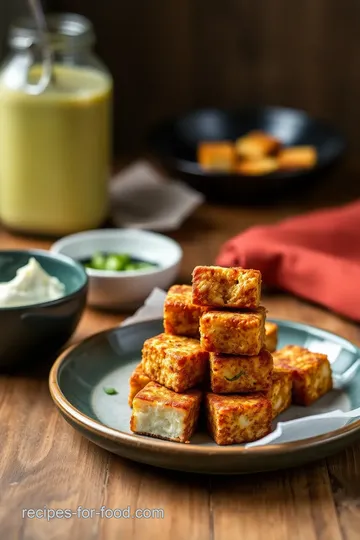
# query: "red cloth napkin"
315,256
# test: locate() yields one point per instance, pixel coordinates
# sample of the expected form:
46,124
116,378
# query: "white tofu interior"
161,421
323,376
278,403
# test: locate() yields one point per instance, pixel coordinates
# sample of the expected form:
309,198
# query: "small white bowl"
124,290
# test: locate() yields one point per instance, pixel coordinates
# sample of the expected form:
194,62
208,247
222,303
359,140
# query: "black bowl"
37,332
175,144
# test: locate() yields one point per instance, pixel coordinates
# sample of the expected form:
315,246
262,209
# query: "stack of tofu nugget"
218,344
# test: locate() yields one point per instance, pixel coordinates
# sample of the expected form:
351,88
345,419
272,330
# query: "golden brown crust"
216,156
177,362
235,287
257,167
256,144
138,380
237,419
154,392
297,157
241,374
311,372
271,336
154,400
231,332
181,316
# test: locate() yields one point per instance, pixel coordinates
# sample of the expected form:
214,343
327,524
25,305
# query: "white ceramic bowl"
124,290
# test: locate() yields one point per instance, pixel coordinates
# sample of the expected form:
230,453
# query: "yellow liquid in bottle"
55,153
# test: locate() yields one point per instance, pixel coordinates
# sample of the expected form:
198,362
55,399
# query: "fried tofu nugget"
216,156
241,374
281,390
311,373
235,287
257,167
164,414
297,157
271,336
181,316
232,332
238,418
256,144
138,381
176,362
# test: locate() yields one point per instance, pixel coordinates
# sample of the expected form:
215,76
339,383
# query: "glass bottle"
55,138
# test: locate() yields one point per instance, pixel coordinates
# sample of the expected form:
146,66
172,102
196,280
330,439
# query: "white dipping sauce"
31,285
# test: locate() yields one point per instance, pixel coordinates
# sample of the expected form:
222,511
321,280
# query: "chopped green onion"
110,391
131,266
139,266
237,376
98,261
116,262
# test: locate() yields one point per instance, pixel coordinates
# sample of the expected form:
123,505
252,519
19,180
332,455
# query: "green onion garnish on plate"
110,391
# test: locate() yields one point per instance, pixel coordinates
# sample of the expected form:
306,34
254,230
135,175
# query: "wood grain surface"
167,57
43,461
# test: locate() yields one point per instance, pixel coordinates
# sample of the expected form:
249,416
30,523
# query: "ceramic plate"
79,376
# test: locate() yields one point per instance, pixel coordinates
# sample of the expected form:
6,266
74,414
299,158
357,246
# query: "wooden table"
43,461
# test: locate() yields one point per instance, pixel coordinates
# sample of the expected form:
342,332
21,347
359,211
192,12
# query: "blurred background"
170,56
